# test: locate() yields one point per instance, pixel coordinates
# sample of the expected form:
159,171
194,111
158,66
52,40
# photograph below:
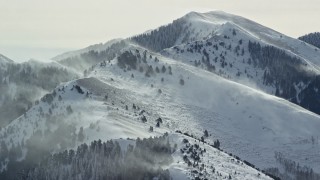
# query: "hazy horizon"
43,29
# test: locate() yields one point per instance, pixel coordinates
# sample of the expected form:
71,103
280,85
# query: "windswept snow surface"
248,122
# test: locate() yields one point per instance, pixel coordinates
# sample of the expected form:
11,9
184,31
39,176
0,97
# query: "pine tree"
81,135
206,134
163,69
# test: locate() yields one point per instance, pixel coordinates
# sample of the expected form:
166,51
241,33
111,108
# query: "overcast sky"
42,29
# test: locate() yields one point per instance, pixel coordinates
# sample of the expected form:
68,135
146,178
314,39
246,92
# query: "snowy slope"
230,51
105,119
230,111
224,59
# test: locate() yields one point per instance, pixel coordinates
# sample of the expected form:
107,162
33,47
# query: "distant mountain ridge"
95,47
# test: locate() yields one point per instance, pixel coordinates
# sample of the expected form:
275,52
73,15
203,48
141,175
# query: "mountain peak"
214,12
212,16
192,14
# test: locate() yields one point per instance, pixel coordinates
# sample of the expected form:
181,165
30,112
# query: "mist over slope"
21,84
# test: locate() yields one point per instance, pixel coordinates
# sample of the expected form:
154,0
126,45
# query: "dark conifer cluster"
108,160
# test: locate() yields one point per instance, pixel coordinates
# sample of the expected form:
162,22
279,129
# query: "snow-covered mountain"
243,51
205,79
232,47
